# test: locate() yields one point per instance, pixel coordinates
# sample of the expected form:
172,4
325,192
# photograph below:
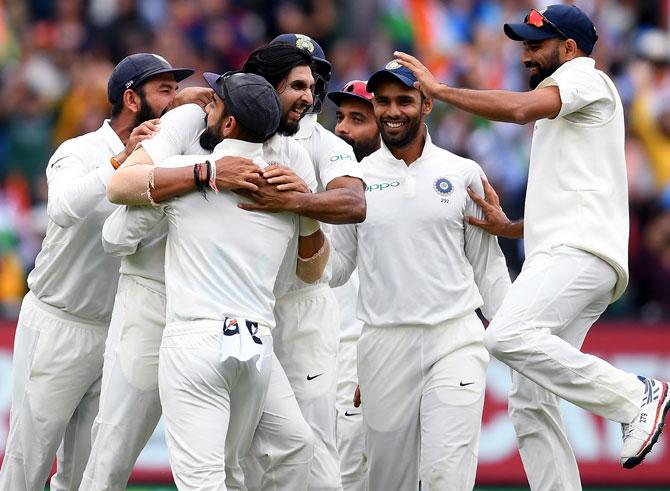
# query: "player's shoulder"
184,114
83,145
180,160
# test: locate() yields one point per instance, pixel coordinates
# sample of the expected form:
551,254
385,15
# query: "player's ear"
426,105
229,126
131,100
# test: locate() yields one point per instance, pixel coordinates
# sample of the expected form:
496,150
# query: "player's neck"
122,126
413,150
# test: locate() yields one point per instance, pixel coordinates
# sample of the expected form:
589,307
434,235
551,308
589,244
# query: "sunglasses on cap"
536,19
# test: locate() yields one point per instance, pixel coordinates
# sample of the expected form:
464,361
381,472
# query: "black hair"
273,62
117,106
242,132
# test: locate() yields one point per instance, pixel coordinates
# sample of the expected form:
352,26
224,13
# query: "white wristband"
308,226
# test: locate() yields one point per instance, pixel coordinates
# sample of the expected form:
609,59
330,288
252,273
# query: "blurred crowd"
56,56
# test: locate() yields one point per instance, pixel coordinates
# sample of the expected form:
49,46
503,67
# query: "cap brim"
179,73
377,77
211,79
526,32
338,97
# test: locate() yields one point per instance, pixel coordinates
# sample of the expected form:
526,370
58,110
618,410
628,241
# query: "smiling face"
542,58
356,124
156,95
400,111
296,93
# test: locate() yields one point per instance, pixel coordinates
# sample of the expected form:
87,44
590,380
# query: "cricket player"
307,334
356,124
221,264
576,242
423,272
62,326
130,407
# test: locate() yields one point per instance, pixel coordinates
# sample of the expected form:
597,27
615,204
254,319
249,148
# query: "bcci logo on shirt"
443,186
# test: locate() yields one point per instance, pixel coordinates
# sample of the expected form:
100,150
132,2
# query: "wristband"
308,226
212,176
115,163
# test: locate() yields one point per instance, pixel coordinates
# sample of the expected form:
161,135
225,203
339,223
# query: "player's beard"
287,128
362,148
211,137
146,112
545,71
403,139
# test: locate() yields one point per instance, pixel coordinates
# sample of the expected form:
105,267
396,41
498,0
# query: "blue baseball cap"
395,70
556,21
136,68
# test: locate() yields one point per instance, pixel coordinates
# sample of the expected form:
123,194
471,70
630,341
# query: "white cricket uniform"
130,407
307,335
421,357
576,241
221,264
58,350
349,423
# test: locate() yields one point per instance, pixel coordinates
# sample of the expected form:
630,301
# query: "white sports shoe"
642,433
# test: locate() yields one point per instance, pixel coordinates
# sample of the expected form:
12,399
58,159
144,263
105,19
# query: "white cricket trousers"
56,375
129,403
306,342
538,331
350,428
422,392
211,407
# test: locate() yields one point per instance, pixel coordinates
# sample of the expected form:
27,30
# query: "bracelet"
199,183
115,163
212,178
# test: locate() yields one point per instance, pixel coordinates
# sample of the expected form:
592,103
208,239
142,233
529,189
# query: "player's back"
222,261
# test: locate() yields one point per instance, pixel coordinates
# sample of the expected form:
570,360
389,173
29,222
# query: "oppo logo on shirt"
342,156
382,185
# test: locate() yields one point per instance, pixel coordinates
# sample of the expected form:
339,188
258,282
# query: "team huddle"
301,306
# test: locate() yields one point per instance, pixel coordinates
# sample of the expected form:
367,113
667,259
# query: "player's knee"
498,340
299,444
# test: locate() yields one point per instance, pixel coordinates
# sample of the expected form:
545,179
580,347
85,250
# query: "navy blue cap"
250,98
563,21
393,69
136,68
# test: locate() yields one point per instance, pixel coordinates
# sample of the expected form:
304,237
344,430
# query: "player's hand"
495,220
267,198
426,81
285,179
237,173
193,95
357,396
141,132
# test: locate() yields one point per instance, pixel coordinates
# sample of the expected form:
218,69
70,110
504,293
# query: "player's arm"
313,251
74,190
493,219
138,182
343,201
497,105
127,226
484,254
344,253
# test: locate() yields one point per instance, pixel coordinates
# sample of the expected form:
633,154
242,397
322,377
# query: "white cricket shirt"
179,134
577,185
419,262
220,261
72,272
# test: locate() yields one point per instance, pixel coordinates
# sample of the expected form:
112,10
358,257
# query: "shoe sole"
634,461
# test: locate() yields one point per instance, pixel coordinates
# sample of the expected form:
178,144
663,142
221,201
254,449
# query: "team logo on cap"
443,186
304,42
392,65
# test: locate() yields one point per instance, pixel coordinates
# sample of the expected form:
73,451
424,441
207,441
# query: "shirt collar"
427,150
239,148
110,137
307,125
580,61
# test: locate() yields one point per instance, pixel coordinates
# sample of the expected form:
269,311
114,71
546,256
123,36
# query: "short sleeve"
180,130
336,158
585,96
302,166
